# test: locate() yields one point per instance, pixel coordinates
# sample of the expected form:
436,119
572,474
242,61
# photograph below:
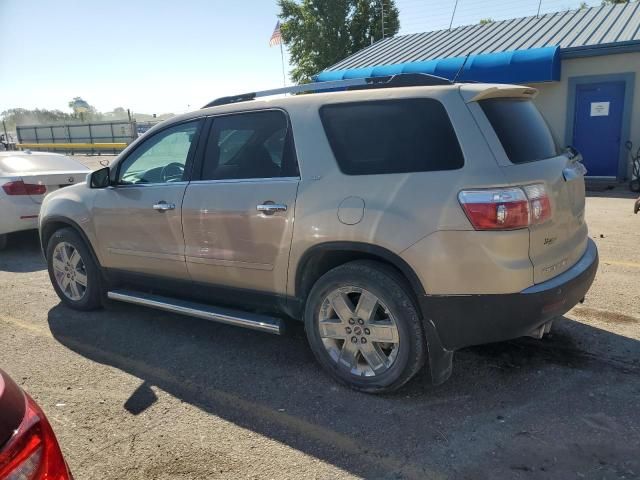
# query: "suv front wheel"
363,327
73,272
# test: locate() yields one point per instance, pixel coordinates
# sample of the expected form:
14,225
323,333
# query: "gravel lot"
139,394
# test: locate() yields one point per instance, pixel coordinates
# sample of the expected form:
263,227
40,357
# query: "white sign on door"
600,109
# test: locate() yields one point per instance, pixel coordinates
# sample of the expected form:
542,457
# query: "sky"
159,56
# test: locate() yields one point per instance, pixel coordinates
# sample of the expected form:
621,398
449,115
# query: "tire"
3,241
88,297
397,359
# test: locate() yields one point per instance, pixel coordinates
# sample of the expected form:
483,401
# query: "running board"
254,321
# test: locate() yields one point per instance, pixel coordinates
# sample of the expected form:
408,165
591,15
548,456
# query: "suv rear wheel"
73,272
363,327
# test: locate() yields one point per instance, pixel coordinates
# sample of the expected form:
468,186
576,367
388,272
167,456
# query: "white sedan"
25,179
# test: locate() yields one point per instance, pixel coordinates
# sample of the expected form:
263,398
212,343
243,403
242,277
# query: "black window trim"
198,166
115,172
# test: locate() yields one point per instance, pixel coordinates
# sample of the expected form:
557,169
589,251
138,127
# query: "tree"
118,113
22,116
319,33
82,109
613,2
485,21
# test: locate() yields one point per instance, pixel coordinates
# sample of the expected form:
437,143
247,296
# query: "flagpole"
284,77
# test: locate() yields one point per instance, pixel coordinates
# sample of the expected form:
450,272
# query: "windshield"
522,130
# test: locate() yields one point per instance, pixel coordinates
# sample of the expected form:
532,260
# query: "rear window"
523,132
391,136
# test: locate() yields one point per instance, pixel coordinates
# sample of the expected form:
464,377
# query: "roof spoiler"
509,91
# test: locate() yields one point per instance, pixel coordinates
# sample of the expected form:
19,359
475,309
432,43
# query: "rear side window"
522,130
391,136
250,145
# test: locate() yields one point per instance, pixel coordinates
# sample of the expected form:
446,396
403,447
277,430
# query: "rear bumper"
463,320
18,215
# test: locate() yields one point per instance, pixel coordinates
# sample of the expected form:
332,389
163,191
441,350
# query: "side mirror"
100,178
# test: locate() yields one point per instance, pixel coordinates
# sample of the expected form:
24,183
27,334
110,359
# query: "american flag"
276,37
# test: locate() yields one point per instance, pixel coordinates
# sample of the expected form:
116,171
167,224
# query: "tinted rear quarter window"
246,145
391,136
521,129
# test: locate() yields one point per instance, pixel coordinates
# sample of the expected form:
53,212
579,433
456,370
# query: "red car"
28,447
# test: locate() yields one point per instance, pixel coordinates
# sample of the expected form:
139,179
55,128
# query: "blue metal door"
597,127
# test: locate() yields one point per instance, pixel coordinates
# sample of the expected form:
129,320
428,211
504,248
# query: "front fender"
70,206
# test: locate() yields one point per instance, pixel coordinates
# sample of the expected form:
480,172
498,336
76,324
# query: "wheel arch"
52,224
321,258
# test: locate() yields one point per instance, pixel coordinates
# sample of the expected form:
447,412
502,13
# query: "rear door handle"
163,206
271,208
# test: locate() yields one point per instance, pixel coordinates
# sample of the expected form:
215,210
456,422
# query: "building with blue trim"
585,64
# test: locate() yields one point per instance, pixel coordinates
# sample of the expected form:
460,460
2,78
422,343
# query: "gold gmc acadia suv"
399,218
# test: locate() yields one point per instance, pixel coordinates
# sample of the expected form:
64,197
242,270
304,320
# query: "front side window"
250,145
391,136
521,129
160,158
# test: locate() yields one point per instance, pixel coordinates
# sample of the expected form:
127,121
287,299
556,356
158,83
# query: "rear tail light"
33,452
539,205
506,208
20,188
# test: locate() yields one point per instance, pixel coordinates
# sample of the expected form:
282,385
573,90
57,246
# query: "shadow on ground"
554,408
611,191
22,254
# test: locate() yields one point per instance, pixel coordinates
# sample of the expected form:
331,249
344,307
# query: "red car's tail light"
506,208
496,209
33,452
20,188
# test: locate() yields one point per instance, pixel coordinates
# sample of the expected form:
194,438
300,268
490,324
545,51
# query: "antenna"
461,67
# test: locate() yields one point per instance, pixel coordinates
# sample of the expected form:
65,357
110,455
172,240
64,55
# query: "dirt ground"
139,394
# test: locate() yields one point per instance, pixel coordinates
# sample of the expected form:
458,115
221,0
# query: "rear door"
238,217
528,155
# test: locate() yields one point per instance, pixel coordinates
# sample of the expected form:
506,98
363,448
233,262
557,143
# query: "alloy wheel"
358,331
70,271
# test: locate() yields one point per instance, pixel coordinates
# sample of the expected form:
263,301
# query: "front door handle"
164,206
271,208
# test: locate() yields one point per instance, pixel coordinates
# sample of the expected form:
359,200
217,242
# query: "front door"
598,126
138,220
238,217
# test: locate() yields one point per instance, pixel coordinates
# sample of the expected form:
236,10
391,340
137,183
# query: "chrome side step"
254,321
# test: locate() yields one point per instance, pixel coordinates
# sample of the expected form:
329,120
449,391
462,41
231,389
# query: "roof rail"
398,80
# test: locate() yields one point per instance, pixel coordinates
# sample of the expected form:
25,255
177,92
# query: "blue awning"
516,66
